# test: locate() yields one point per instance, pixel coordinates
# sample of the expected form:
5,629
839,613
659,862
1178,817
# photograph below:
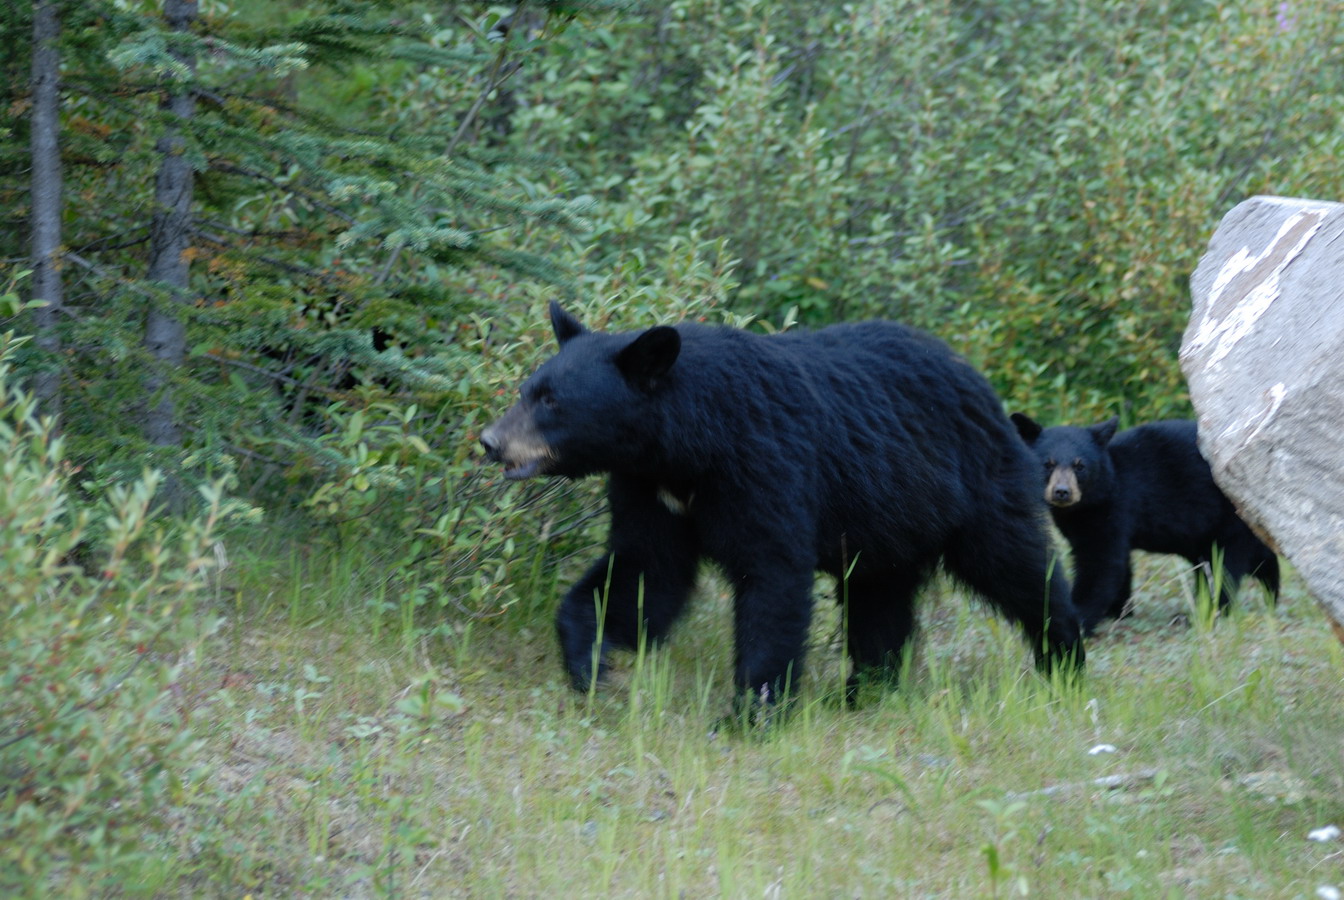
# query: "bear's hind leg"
1265,569
1255,559
879,616
1242,554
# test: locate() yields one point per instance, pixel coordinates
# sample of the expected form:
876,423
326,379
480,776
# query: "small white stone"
1328,833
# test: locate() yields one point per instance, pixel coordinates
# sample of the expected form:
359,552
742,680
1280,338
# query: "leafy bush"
99,622
1033,181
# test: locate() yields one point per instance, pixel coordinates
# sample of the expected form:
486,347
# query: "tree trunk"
170,237
46,201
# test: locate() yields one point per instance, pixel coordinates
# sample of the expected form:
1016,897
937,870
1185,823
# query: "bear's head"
591,407
1075,461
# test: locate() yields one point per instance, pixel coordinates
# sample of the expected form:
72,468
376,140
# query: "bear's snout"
490,441
515,442
1062,488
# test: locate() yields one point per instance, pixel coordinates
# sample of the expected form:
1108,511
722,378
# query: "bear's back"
1175,503
906,440
1164,452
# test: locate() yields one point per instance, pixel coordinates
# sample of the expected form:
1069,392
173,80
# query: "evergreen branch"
228,167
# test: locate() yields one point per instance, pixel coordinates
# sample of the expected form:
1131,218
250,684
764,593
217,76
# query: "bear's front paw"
583,677
584,656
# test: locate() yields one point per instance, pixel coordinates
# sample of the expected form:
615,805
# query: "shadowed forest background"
298,255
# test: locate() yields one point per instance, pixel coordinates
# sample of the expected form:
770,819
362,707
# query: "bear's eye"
542,395
1049,463
1079,465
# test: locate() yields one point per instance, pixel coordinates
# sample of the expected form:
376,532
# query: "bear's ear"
1026,427
565,325
1103,433
648,357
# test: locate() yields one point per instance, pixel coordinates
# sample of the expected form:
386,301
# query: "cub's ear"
1103,433
1026,427
565,325
649,356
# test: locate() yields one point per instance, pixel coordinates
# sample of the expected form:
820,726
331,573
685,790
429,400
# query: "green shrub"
98,624
1032,181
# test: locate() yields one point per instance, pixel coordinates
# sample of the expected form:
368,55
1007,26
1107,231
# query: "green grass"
345,764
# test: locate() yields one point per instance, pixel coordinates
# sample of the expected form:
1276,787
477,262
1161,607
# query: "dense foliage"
386,193
1033,181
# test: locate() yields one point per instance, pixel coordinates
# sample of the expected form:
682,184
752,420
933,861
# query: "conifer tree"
286,255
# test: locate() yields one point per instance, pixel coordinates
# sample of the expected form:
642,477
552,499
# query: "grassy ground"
346,764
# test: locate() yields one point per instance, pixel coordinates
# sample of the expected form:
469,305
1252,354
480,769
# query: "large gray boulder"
1264,357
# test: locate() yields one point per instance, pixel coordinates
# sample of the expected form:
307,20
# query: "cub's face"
1075,464
586,409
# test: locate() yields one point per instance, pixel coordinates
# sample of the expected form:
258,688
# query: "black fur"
1147,488
868,449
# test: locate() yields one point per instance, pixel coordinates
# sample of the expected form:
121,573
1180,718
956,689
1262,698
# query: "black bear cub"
868,451
1147,488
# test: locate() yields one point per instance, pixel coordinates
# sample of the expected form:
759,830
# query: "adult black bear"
869,451
1147,488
